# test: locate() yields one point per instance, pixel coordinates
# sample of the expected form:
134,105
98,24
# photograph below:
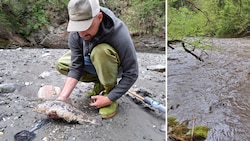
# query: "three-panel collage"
85,70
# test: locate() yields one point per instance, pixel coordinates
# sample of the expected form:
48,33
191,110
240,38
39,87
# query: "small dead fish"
66,111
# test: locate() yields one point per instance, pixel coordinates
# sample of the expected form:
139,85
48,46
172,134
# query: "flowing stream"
215,92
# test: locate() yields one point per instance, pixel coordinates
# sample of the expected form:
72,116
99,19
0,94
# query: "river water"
216,92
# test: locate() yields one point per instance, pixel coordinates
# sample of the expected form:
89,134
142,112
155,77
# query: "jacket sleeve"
77,63
123,44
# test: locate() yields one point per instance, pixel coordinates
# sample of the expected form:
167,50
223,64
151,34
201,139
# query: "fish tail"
97,120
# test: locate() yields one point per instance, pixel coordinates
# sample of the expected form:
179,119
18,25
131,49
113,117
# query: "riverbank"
34,68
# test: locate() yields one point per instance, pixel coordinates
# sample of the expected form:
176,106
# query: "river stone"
10,87
48,92
159,67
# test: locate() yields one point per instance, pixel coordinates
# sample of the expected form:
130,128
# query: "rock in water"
66,111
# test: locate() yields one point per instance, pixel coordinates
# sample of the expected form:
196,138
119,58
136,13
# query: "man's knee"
103,51
62,64
58,66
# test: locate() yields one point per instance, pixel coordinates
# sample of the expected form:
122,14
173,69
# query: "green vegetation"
180,131
214,18
148,16
193,22
26,16
145,16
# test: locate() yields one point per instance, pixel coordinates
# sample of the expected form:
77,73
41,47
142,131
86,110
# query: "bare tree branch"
170,42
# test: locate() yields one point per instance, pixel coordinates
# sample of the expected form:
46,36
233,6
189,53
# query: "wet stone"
10,87
158,67
48,92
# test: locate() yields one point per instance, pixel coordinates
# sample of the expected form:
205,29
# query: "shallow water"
216,92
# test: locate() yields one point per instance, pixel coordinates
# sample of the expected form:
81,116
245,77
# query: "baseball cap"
81,14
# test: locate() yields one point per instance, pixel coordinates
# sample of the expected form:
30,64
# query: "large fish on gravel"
67,112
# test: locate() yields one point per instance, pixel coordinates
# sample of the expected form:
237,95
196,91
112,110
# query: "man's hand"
100,101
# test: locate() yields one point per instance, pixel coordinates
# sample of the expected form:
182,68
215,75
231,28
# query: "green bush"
27,16
147,16
207,18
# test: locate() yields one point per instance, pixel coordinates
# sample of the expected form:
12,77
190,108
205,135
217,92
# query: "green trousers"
106,63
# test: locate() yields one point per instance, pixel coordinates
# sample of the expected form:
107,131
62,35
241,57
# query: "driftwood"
245,32
171,42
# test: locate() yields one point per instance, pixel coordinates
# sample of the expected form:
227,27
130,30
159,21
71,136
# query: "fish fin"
97,120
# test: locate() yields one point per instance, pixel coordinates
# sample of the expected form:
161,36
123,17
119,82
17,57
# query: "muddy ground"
34,68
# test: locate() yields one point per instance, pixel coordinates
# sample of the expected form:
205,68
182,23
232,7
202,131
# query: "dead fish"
67,112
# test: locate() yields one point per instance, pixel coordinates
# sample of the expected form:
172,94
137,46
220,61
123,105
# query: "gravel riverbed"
27,70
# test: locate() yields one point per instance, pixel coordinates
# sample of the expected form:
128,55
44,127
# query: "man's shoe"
98,87
108,111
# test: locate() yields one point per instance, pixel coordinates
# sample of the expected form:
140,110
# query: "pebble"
28,83
163,128
48,92
19,48
46,54
15,118
45,139
9,87
44,74
158,67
